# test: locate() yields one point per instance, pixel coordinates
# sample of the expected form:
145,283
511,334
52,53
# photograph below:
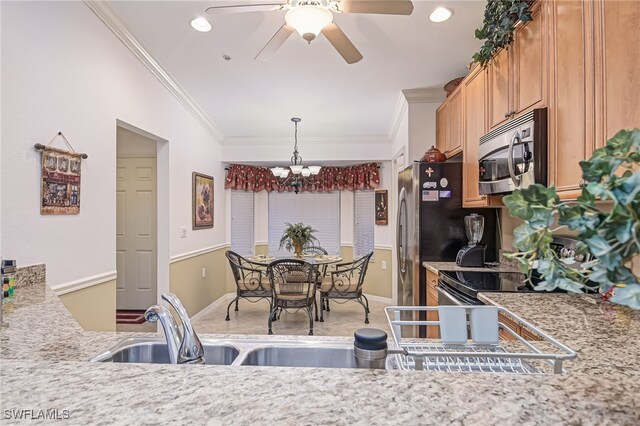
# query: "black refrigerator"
430,225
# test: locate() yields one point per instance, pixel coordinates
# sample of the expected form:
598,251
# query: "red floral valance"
349,178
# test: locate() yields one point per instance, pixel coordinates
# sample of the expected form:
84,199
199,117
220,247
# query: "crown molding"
398,114
427,94
106,15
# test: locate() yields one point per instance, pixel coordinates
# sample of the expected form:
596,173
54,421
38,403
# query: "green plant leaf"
628,295
598,245
569,285
517,205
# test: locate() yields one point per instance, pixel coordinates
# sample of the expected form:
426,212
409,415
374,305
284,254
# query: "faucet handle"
191,347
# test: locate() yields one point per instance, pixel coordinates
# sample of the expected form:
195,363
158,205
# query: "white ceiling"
247,98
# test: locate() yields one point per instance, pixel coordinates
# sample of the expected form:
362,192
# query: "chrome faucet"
185,347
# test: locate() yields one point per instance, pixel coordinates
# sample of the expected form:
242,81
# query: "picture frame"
382,207
202,201
59,183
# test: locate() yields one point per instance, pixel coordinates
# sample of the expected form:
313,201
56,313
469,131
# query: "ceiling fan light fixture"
308,20
201,24
440,14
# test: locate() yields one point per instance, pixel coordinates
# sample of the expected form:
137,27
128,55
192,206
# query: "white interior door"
136,241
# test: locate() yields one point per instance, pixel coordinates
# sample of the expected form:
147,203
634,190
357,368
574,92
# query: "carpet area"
129,317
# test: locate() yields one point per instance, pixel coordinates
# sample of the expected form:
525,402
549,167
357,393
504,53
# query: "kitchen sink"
292,356
154,350
242,352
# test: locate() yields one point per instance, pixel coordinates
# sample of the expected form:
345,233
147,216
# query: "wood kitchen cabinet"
475,125
594,77
517,75
517,328
433,332
449,131
617,58
570,116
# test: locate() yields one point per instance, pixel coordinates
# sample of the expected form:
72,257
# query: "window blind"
242,240
319,210
363,223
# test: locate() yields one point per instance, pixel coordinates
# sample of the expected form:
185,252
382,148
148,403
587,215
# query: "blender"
473,253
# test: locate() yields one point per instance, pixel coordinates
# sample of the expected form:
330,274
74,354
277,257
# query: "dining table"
314,259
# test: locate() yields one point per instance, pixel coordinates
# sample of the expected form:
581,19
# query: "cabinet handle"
484,197
512,113
583,183
506,115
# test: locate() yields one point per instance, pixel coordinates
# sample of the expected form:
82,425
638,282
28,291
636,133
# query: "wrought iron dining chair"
322,269
293,286
346,284
252,281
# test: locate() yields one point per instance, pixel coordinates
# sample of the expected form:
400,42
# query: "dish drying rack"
470,342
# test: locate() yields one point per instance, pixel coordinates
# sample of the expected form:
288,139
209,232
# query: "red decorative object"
433,155
256,179
451,86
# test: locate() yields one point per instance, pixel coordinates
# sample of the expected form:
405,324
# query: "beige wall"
195,292
93,307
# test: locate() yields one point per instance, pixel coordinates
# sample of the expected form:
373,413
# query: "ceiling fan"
312,17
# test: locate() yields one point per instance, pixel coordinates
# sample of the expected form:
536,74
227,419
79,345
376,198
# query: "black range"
462,287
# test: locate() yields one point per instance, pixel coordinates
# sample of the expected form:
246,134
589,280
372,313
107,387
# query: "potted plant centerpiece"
296,237
605,218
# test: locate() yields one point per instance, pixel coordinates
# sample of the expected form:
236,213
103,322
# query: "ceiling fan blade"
274,44
385,7
244,6
341,43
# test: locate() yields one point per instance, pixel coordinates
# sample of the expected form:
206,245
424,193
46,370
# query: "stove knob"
564,253
572,253
579,257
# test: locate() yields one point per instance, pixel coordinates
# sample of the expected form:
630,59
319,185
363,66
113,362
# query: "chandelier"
299,174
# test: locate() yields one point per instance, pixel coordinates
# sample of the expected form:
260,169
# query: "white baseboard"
223,300
380,299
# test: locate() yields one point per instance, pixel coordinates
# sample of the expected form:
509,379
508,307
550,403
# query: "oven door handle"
449,296
512,170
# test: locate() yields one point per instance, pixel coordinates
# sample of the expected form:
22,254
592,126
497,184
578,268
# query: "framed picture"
382,210
202,201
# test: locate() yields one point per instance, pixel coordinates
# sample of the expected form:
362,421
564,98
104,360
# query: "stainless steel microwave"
515,154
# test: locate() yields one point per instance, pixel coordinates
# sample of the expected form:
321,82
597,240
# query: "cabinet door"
617,67
529,62
499,76
433,332
442,127
475,125
571,93
455,120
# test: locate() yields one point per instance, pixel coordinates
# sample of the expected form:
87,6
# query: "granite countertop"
452,266
44,366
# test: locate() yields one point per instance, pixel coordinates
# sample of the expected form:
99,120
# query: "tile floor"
342,320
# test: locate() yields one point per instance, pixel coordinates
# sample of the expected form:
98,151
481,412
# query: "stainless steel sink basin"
291,356
154,350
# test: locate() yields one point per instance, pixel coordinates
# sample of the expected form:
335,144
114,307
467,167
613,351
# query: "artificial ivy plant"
606,218
500,19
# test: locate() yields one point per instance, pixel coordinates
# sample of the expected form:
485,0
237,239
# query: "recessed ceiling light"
201,24
440,14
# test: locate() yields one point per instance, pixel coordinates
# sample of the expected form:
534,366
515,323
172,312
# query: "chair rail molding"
199,252
82,283
106,15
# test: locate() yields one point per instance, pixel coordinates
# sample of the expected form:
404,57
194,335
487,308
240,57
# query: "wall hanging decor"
202,201
382,210
60,187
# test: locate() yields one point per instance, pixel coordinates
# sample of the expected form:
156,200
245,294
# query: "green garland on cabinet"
500,19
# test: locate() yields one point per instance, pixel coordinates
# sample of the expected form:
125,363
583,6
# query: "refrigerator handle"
401,230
